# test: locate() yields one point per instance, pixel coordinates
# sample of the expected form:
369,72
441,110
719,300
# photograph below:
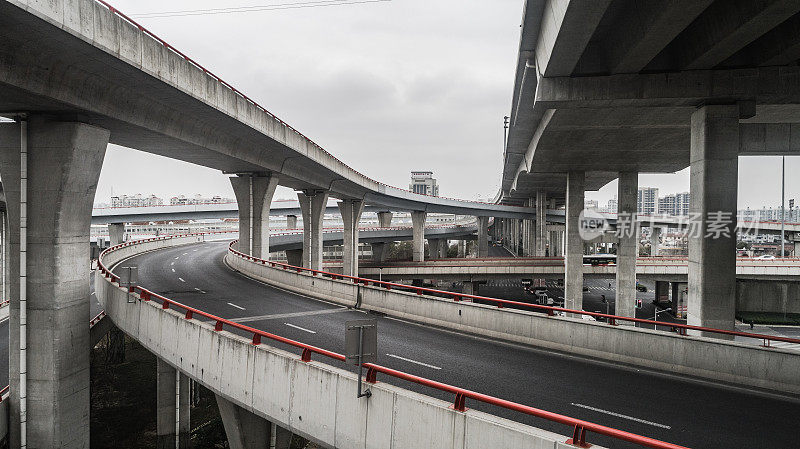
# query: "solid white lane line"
413,361
620,415
181,279
234,305
301,328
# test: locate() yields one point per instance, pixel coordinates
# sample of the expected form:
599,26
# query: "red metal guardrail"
580,427
681,329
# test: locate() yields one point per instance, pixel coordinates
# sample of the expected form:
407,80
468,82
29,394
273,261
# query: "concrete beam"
63,164
769,139
780,46
765,85
713,186
566,27
722,30
641,31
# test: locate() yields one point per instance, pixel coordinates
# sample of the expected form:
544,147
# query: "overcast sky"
388,87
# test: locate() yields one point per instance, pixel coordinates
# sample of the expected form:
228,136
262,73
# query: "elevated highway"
523,374
494,268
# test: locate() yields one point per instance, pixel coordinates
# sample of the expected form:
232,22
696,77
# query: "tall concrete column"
573,262
291,222
116,233
418,244
254,194
483,236
243,428
313,205
378,252
351,214
62,162
435,248
541,223
385,219
627,244
713,187
655,240
515,230
462,248
172,407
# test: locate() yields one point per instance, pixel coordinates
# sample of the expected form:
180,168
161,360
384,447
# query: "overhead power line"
255,8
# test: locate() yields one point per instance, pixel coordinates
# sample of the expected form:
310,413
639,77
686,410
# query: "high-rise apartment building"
647,200
424,183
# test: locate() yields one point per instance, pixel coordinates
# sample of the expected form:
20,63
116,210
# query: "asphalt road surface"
690,412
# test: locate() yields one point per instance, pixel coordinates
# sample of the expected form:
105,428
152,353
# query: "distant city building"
424,183
136,201
183,200
674,204
647,200
611,207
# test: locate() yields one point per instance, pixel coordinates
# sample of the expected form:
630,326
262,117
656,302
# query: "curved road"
689,412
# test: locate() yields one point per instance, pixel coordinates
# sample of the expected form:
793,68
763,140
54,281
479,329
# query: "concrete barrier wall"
709,358
768,296
312,399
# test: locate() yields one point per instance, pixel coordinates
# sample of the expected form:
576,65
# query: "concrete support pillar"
712,248
243,428
378,252
662,291
418,222
254,194
172,407
470,288
515,231
483,237
573,262
312,205
434,248
351,214
47,276
541,224
385,219
291,222
294,257
462,248
627,244
116,233
655,240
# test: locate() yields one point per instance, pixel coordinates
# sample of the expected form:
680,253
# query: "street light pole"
783,207
505,133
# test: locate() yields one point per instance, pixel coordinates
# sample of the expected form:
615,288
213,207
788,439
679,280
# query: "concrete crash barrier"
704,357
311,399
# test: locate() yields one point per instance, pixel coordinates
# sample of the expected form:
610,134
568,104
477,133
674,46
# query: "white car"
765,257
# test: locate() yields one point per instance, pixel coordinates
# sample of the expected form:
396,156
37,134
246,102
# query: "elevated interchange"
604,89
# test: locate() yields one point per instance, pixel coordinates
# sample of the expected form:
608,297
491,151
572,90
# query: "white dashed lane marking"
234,305
181,279
620,415
413,361
301,328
